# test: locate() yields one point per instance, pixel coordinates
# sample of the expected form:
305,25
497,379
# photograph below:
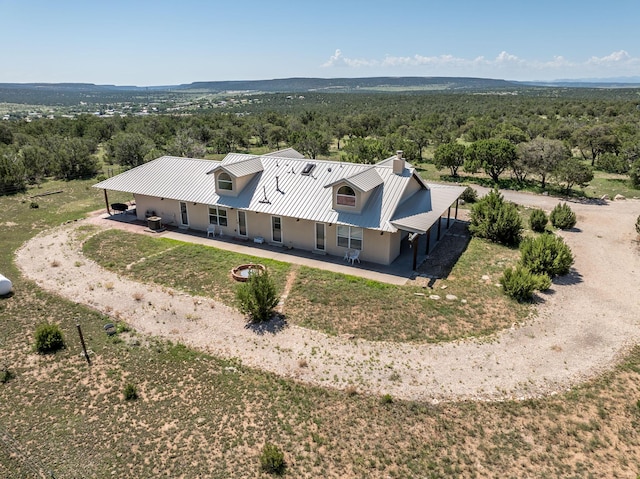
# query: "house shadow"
277,323
445,254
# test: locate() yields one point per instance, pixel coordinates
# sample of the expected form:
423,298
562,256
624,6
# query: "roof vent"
308,168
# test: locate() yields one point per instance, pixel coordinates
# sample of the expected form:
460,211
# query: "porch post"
414,245
106,200
439,226
448,216
456,217
428,241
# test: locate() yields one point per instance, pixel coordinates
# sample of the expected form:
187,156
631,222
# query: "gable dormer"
233,174
351,194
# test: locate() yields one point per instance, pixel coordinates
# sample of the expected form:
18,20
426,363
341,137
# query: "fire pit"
244,271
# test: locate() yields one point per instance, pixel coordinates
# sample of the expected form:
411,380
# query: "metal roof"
240,168
171,177
365,180
422,210
286,153
281,190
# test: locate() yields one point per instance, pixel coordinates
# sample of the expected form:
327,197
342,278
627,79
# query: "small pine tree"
469,195
496,220
538,220
257,297
563,217
272,459
49,338
519,283
546,254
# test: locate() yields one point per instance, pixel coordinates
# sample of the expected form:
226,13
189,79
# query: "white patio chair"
347,255
211,230
354,256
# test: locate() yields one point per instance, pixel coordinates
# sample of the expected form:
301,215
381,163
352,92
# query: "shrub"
638,225
257,297
634,174
547,254
519,283
49,338
469,195
562,217
538,220
496,220
130,392
34,205
6,375
272,459
612,163
386,399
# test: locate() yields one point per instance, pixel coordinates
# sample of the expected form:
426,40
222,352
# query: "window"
350,237
225,182
217,216
346,196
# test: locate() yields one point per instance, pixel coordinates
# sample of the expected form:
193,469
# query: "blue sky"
163,43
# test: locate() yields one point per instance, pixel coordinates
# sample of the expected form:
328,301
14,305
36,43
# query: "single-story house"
328,207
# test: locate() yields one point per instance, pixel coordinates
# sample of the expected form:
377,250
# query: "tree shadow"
7,296
274,325
574,277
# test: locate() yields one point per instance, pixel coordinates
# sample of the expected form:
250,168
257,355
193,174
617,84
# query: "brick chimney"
398,163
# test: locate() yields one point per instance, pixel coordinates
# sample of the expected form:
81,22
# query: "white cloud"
337,60
505,65
615,57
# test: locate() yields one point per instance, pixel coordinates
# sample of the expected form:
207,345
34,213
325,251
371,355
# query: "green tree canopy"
449,155
493,156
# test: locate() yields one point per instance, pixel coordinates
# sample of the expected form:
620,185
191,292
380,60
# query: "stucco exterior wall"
377,248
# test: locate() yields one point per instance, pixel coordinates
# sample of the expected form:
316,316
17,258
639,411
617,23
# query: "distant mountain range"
71,93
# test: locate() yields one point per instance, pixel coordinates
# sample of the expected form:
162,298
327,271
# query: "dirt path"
589,319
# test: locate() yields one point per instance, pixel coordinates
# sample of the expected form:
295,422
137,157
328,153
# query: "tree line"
560,135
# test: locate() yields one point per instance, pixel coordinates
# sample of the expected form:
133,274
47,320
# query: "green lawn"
331,302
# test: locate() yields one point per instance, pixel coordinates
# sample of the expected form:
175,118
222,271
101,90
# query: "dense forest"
558,135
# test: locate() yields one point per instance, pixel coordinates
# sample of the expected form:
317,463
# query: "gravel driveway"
587,321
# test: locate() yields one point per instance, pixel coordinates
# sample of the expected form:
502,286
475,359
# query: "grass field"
199,416
331,302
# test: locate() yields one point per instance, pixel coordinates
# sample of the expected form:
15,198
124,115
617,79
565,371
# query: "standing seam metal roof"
288,192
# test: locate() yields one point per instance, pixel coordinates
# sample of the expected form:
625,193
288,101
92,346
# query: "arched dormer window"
346,196
225,182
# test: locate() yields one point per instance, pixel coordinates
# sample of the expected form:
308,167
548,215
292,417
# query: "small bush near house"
538,220
272,459
519,283
496,220
257,297
49,338
130,392
469,195
546,254
563,217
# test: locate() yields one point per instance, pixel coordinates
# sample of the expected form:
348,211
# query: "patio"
398,272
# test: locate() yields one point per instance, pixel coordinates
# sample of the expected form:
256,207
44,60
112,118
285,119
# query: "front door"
184,217
320,234
242,223
276,229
